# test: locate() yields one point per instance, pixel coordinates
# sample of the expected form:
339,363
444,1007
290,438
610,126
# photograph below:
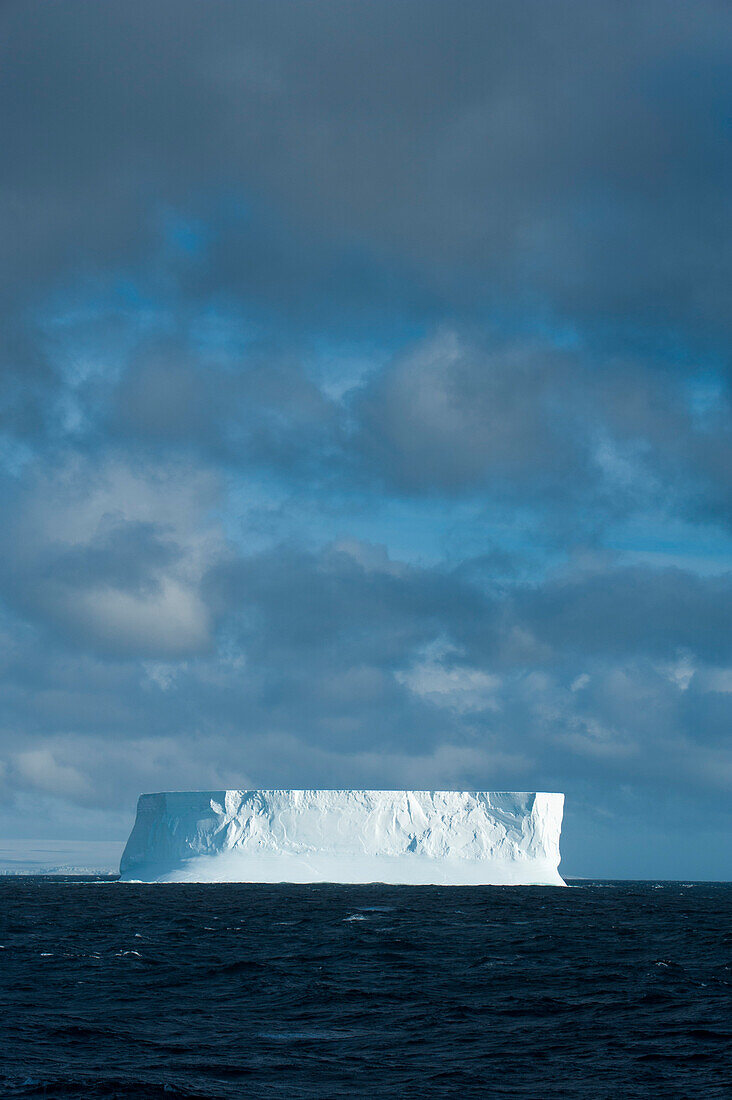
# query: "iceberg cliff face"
418,837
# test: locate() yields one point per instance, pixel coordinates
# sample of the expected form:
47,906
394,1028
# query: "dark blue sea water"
606,990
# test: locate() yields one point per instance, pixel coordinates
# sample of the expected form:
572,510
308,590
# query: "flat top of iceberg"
357,790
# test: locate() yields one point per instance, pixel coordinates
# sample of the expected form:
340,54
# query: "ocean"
605,990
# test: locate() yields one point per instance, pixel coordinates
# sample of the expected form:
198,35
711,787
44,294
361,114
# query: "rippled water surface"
606,990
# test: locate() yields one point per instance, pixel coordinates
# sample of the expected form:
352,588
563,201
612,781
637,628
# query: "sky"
365,410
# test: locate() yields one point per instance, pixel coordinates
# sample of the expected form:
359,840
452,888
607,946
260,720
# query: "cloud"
447,415
531,165
318,649
630,611
511,203
261,409
39,769
562,429
438,678
113,556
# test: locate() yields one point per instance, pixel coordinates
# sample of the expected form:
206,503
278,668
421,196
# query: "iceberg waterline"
414,837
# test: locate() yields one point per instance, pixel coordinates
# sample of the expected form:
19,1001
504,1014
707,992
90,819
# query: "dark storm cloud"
537,162
349,602
447,416
121,558
348,606
571,154
110,554
634,612
580,433
262,410
583,438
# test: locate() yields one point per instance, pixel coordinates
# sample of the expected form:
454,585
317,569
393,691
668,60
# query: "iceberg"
457,838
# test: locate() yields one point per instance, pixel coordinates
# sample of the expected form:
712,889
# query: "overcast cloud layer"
365,410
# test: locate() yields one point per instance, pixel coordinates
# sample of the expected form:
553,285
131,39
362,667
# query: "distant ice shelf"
413,837
22,856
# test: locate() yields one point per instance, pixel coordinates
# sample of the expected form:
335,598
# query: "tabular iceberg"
465,838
